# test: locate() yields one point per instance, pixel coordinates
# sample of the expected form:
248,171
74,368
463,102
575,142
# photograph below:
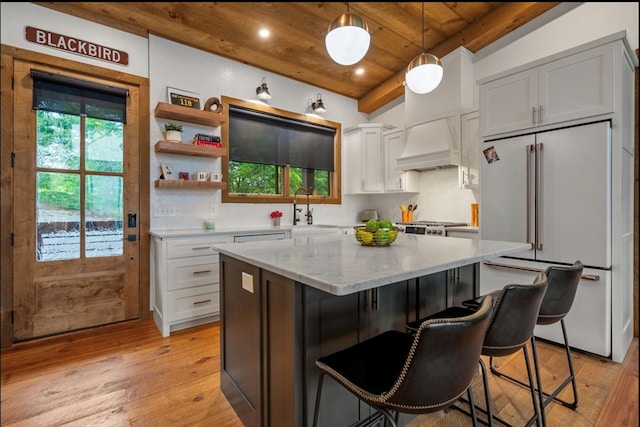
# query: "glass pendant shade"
348,39
424,73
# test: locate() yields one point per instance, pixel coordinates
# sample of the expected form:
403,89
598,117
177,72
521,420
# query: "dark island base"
273,329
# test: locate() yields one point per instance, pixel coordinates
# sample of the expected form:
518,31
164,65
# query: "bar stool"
562,284
396,372
513,320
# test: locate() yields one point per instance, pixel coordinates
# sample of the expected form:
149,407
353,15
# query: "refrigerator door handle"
592,277
538,158
529,148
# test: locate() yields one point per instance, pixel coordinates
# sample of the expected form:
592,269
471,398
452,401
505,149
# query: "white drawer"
181,248
197,271
195,302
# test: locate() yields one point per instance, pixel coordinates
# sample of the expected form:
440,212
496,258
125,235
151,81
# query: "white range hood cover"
432,145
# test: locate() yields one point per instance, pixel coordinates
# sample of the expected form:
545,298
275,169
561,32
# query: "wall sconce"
424,72
318,105
348,39
263,91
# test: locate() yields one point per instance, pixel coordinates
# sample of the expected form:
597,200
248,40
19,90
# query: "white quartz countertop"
339,265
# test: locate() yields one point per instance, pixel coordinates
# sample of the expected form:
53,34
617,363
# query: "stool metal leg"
317,408
546,398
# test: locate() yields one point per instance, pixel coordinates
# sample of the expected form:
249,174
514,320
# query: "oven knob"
429,231
439,231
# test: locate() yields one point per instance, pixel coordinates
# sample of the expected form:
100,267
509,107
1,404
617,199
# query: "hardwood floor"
128,375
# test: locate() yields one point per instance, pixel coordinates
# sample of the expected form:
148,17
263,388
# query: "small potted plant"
173,132
275,218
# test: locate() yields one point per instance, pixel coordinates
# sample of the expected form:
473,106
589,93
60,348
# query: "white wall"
178,66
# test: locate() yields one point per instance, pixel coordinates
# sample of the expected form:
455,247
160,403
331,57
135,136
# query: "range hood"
433,123
432,145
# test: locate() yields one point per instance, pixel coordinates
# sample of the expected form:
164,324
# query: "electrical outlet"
212,209
160,211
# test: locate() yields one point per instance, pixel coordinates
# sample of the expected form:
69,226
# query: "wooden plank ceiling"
296,47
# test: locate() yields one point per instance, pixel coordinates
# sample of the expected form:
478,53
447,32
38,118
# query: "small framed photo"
184,98
491,155
167,171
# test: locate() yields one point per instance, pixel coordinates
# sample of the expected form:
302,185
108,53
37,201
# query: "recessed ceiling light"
360,71
264,33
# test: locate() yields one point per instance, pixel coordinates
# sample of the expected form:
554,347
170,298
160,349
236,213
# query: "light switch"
247,282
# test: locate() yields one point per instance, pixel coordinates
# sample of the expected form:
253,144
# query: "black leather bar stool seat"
513,320
562,285
396,372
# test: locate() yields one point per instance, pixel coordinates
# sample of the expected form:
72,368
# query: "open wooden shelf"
189,149
185,114
186,185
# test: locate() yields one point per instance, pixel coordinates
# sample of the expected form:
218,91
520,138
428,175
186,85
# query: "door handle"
132,220
538,244
592,277
528,192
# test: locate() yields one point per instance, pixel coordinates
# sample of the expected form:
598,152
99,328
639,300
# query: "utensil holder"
474,214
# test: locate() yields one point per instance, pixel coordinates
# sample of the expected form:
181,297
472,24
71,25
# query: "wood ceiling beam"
480,33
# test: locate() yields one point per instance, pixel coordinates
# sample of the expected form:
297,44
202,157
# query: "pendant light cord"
422,27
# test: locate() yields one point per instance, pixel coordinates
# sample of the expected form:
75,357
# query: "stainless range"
436,228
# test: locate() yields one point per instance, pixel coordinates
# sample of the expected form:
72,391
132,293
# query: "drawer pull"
592,277
200,248
202,272
202,302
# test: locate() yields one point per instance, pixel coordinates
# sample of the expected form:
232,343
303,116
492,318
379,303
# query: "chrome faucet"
296,210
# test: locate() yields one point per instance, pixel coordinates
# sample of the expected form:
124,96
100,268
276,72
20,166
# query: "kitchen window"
273,153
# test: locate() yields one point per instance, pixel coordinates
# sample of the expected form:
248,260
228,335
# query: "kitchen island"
286,303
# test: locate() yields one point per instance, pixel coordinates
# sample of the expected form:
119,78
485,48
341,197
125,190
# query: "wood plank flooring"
129,375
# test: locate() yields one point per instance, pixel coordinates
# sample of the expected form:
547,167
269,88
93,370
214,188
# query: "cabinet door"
578,86
469,170
463,284
393,145
371,157
509,103
384,308
352,163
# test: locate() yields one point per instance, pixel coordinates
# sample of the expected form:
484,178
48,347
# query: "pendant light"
424,72
348,39
263,91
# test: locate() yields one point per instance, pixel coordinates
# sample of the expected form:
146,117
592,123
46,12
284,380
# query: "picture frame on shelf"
184,98
167,171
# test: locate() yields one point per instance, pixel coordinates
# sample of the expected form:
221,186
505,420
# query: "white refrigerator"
553,190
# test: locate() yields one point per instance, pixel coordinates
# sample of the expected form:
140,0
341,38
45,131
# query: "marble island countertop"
339,265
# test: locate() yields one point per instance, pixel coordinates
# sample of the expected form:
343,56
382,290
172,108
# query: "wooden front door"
76,199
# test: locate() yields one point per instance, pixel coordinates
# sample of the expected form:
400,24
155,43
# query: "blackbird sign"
76,46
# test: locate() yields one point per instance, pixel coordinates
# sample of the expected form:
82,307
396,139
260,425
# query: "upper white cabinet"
573,87
363,159
469,169
396,180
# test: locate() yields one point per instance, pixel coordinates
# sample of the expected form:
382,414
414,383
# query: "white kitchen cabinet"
469,169
397,181
185,278
363,159
185,281
555,90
